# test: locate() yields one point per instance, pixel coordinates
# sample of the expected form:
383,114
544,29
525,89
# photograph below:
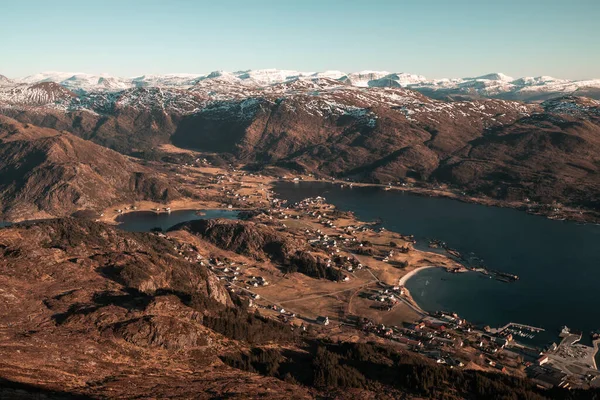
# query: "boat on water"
505,276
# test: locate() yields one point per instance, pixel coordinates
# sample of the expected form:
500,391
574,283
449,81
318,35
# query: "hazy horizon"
433,38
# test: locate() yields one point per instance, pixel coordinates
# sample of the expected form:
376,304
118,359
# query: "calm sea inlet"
558,262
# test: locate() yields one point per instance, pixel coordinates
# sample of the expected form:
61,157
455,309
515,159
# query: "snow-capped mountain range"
494,85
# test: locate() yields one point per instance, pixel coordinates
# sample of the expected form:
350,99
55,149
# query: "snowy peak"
39,94
169,80
217,74
86,82
329,74
269,76
4,80
362,79
496,85
51,76
397,80
306,83
537,80
78,82
495,76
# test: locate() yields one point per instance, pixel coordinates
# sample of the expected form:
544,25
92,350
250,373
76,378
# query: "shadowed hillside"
49,173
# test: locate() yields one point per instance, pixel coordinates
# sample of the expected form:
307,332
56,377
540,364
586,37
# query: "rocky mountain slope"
46,173
328,125
550,156
262,243
501,149
93,311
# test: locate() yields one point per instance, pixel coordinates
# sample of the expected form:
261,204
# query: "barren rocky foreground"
89,311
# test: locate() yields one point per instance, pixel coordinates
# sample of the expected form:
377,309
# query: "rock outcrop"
262,242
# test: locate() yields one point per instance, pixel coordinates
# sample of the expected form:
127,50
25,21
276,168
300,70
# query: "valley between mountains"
540,154
236,308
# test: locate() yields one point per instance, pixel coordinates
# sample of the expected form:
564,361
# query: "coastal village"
369,300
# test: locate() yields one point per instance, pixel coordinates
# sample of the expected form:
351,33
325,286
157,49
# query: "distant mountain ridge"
493,85
361,126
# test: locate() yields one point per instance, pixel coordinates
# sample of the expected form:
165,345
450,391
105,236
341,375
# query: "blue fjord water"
558,262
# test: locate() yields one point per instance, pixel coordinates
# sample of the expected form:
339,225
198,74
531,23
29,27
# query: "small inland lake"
145,221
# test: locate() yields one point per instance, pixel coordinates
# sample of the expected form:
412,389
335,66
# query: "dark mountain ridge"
45,173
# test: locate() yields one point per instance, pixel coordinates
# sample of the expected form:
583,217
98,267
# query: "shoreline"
408,298
111,216
197,211
586,216
405,278
581,216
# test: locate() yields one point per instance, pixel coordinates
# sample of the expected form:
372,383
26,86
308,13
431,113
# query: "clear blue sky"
435,38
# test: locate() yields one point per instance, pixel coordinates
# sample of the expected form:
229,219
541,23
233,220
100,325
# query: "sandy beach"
405,278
